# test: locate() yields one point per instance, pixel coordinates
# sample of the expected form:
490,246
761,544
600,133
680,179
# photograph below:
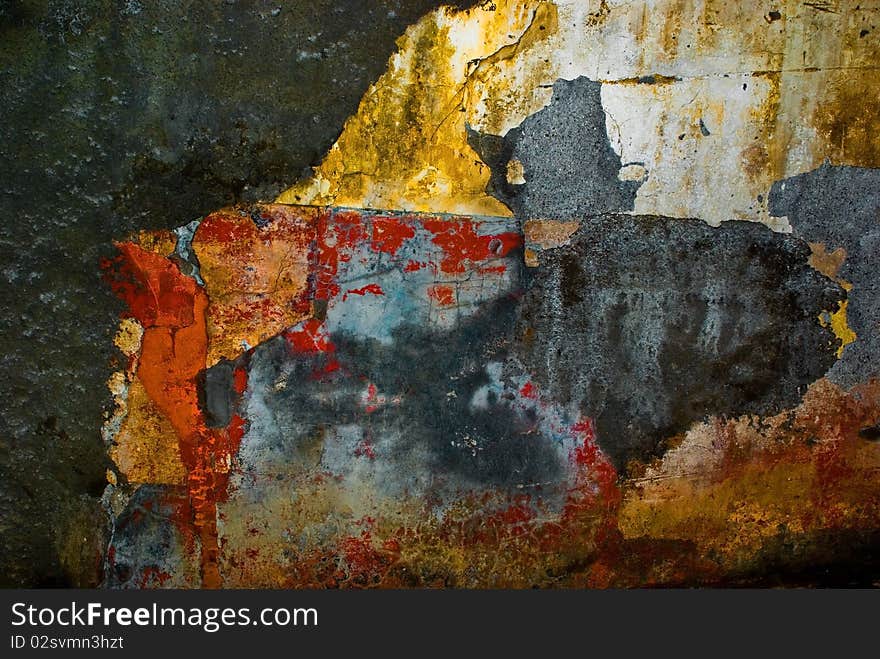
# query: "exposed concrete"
569,169
840,208
649,324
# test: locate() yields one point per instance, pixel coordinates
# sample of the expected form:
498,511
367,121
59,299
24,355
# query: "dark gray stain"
217,394
649,324
703,130
434,428
840,207
148,544
570,168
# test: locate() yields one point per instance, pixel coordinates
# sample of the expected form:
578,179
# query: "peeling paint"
720,101
838,324
584,295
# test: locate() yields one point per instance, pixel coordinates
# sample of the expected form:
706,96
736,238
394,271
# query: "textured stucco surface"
649,324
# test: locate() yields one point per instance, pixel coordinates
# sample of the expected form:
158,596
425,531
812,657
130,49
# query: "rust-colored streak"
806,471
848,122
172,310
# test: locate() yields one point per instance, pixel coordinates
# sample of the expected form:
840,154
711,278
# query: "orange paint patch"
255,268
172,309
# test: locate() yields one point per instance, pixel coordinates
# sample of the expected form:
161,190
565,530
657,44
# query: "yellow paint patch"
829,263
515,173
841,328
406,148
129,336
158,241
838,323
118,385
146,449
706,96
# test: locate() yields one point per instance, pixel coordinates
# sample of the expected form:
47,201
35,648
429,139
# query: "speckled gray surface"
569,168
840,208
649,324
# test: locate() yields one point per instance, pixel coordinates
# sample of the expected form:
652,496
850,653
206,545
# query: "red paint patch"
365,449
153,577
156,293
389,234
240,380
310,336
442,294
331,366
337,237
463,246
371,399
226,229
375,289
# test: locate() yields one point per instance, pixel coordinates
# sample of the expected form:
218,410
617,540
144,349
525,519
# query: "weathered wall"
118,117
643,351
698,96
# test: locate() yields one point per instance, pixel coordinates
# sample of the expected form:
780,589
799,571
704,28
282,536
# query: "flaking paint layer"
716,97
